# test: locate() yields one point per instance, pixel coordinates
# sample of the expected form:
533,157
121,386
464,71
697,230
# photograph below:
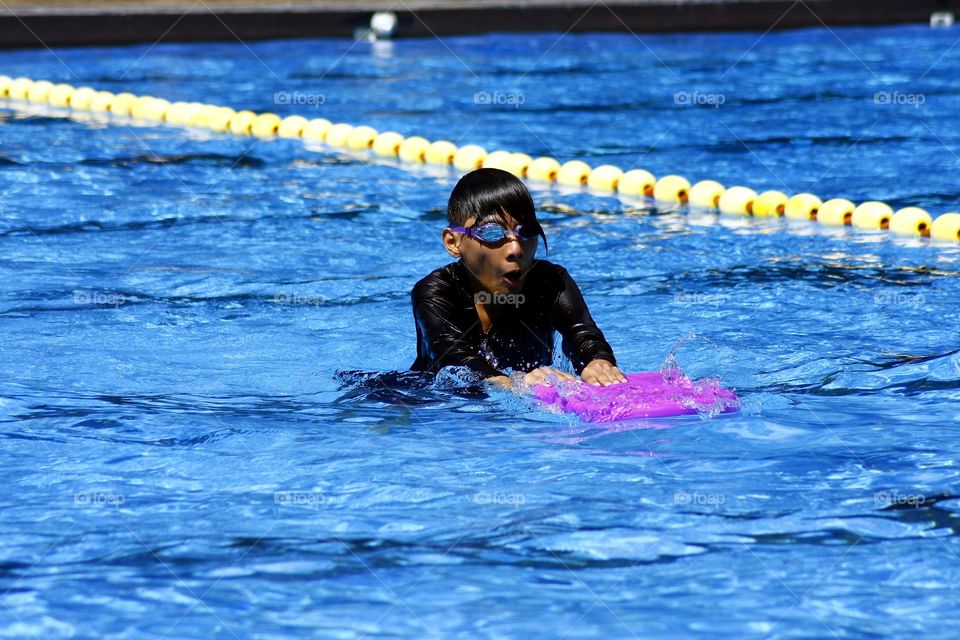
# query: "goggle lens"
494,233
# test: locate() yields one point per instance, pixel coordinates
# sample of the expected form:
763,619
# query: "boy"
497,306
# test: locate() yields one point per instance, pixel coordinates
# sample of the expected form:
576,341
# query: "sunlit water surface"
182,459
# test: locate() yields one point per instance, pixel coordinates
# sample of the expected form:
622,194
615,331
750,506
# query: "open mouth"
512,278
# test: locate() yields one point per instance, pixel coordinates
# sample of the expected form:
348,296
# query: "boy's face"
497,268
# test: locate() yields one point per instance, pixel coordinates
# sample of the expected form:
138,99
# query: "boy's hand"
602,373
503,383
535,377
539,376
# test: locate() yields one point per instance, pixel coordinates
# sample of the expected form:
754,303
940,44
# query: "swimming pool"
181,460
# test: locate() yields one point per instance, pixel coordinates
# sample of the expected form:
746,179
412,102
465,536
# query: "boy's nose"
513,247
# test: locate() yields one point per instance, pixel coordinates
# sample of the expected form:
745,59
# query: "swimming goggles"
494,233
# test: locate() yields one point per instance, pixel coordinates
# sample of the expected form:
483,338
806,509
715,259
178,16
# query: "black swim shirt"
521,337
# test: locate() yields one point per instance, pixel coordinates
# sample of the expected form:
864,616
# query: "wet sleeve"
441,340
583,341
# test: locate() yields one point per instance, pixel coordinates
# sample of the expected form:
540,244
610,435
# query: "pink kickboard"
644,395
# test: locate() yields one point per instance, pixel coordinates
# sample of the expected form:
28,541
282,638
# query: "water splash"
707,387
671,365
450,378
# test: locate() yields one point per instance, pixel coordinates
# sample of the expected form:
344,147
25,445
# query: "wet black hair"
492,191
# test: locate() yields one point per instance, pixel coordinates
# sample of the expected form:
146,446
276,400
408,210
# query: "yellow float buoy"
219,121
497,160
5,82
606,177
149,108
195,116
573,173
737,201
241,123
946,227
139,106
515,163
440,152
414,149
519,164
387,144
82,98
872,215
910,221
199,118
292,127
190,113
122,103
544,169
101,102
469,158
178,113
361,138
316,129
672,189
803,206
836,212
39,91
19,88
337,134
60,95
770,204
706,194
637,182
265,125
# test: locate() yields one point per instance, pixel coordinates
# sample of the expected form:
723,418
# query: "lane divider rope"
603,179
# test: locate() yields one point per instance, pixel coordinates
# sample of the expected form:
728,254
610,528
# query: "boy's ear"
451,243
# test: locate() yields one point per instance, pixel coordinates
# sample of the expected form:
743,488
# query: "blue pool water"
181,460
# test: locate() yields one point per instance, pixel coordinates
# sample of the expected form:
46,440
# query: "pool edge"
59,26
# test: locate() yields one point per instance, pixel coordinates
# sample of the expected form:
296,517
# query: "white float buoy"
942,19
383,24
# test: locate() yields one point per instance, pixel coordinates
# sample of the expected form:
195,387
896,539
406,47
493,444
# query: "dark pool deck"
82,22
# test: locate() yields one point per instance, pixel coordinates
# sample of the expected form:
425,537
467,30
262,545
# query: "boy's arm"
442,340
583,342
